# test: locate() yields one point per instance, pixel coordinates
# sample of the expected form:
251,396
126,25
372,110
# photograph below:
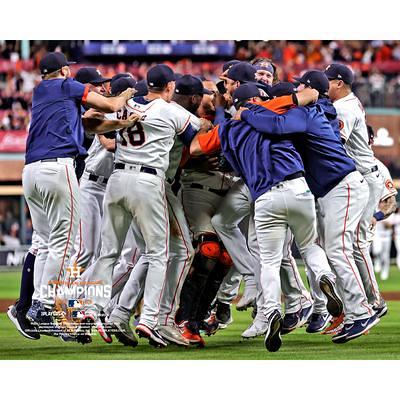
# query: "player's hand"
307,96
238,114
205,125
92,113
131,120
128,93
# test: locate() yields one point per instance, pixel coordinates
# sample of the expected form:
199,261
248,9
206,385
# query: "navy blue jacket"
260,161
325,160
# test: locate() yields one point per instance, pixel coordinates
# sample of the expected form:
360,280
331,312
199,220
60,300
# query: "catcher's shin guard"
213,284
204,262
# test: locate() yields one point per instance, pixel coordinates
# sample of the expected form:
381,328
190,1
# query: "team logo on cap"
326,69
262,92
98,72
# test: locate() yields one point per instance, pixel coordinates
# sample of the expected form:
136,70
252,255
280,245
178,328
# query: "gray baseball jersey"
353,129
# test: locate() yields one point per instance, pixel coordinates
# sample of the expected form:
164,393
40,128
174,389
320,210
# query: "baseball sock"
27,289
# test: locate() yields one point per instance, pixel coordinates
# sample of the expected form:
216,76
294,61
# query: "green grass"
9,282
383,342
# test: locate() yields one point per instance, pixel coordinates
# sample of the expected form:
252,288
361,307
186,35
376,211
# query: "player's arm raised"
109,104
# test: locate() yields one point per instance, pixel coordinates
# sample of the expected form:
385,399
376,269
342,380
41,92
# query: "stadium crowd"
376,65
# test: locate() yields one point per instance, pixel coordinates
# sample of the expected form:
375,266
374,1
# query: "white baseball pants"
289,204
340,211
52,193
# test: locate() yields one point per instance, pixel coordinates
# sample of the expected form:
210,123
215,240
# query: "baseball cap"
141,88
245,92
53,62
120,75
229,64
159,75
315,79
339,71
190,85
121,84
90,75
242,72
282,89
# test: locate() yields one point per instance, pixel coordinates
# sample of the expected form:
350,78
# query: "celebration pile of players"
190,187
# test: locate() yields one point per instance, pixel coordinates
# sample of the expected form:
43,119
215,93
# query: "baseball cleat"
257,328
334,304
209,326
290,322
23,325
123,332
173,335
273,339
41,317
356,329
247,300
191,336
381,310
102,328
84,330
154,337
336,326
318,322
223,314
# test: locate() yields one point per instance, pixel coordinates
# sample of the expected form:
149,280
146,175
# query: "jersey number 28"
134,135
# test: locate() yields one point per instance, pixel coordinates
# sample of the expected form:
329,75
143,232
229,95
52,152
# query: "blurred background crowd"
376,65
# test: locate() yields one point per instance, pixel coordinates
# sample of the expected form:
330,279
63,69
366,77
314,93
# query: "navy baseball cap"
339,71
190,85
121,84
229,64
120,75
159,75
90,75
52,62
245,92
242,72
315,79
282,89
141,88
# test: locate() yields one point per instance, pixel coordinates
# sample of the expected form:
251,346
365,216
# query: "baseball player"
354,133
381,245
49,181
187,97
136,194
236,205
238,139
383,220
341,194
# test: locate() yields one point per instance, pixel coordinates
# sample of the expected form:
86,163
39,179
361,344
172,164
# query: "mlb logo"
78,314
74,303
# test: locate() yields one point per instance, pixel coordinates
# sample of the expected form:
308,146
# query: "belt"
147,170
96,178
293,176
371,170
49,160
216,191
